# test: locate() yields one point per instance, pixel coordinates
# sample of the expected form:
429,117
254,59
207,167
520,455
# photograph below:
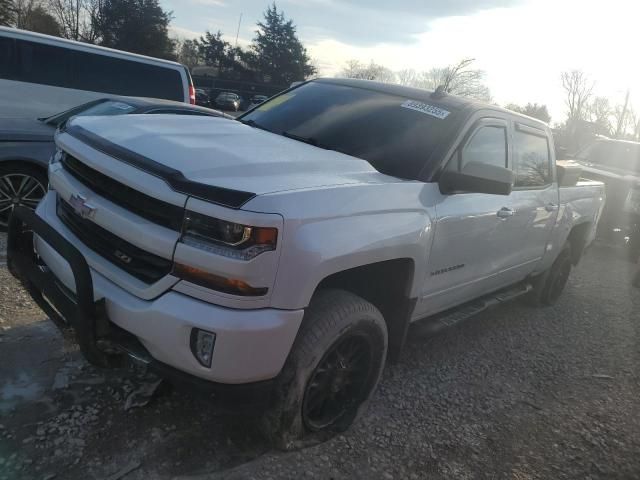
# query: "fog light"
202,343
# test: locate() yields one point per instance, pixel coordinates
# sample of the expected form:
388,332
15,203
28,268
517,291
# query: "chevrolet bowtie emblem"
81,207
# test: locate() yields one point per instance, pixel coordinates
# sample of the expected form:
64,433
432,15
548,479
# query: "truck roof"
447,100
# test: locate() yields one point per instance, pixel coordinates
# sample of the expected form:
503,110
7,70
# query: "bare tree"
599,113
633,122
408,76
22,10
76,18
578,88
373,71
457,79
541,112
620,115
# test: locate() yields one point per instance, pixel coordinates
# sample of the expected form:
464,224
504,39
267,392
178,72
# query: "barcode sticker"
426,108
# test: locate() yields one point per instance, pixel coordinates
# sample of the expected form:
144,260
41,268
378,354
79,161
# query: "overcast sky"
523,45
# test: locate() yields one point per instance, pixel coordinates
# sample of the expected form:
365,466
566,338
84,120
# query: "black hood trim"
174,178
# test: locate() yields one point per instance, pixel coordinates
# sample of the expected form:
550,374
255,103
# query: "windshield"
394,134
102,108
618,155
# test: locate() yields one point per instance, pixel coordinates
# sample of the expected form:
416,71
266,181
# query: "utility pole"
623,114
238,31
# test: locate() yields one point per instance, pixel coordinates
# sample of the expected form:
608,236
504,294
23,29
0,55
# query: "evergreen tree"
188,54
139,26
39,20
277,51
214,50
6,13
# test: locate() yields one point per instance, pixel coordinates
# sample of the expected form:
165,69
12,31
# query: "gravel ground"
515,393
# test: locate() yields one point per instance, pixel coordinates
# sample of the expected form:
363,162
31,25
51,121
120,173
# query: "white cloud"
523,49
181,32
208,3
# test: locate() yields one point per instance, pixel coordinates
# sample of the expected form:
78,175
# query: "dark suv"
617,164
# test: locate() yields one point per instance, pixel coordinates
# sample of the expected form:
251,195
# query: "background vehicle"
26,145
257,100
202,98
295,264
617,164
41,75
228,101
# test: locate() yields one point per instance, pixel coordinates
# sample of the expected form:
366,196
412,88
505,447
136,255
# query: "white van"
41,75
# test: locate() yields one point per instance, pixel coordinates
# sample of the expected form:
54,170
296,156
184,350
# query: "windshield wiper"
309,140
252,123
312,141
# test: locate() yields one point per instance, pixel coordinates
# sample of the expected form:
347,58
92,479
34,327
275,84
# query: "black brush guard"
69,312
101,342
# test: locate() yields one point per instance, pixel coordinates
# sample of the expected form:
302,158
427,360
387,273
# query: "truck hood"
25,130
225,153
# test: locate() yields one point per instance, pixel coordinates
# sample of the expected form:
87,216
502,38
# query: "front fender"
317,249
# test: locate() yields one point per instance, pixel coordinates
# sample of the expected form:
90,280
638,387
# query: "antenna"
238,31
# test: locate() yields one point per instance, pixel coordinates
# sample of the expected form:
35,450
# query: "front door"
474,233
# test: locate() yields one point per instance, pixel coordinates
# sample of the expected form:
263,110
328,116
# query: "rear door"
535,198
474,233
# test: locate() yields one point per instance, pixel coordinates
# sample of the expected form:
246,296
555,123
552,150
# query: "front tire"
20,184
334,366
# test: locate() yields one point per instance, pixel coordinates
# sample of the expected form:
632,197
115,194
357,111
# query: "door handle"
551,207
505,212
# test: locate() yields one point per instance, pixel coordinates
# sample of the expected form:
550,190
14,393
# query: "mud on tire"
333,368
549,286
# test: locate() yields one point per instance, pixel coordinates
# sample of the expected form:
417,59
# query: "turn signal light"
216,282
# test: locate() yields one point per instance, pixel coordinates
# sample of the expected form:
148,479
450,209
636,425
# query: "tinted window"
44,64
371,125
7,57
62,67
99,73
531,163
488,145
99,107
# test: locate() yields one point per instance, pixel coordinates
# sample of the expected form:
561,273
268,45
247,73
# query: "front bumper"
251,345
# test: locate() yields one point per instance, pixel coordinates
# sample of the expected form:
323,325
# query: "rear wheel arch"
577,239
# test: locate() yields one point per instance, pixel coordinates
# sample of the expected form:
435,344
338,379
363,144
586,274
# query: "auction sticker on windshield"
275,102
426,108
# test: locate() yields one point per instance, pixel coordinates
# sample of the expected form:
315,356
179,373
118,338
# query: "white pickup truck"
284,255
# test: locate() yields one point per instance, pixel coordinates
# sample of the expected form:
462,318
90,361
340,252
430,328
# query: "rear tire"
548,286
20,184
334,366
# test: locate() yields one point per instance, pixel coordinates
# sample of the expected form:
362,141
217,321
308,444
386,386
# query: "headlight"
230,239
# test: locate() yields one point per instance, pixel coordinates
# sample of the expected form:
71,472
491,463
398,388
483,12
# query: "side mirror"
478,177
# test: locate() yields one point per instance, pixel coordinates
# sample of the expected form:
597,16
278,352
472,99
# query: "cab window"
531,160
487,145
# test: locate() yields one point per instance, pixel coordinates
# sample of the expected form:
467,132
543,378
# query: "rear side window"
100,73
44,64
488,145
7,57
531,163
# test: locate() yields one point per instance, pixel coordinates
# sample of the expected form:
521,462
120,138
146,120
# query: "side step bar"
449,318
